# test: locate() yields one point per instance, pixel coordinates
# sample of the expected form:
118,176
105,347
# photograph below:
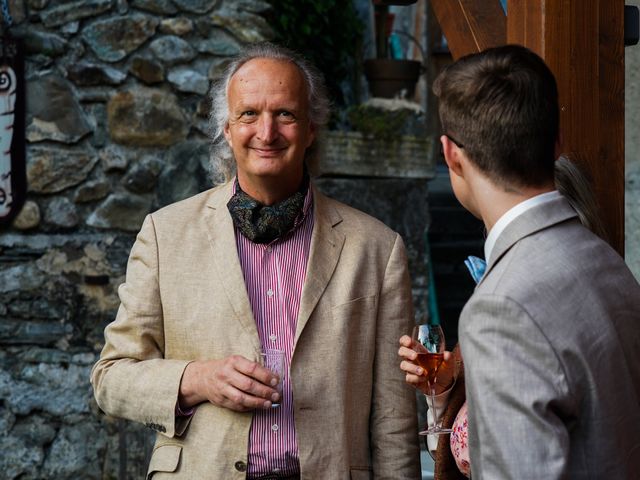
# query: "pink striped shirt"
274,274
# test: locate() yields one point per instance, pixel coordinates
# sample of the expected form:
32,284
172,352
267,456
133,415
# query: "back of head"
222,162
502,106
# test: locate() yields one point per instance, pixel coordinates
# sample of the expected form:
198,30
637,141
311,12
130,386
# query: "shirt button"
268,249
270,293
275,427
273,337
241,466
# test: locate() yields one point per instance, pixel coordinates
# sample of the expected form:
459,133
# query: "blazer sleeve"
394,431
132,379
517,395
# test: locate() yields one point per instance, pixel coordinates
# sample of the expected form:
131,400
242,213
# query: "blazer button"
241,466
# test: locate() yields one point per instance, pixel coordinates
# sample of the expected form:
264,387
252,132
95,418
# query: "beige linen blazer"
184,298
551,345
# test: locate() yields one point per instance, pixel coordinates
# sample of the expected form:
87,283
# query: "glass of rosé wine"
429,344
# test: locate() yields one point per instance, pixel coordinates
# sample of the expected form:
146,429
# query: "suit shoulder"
187,207
361,222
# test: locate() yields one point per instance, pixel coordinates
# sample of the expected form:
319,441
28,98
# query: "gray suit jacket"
184,298
551,344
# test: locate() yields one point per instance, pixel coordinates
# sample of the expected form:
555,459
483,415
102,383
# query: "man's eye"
285,114
248,113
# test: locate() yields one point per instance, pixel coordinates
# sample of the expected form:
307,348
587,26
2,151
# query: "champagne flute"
429,344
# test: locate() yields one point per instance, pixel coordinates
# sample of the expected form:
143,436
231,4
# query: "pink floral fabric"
460,441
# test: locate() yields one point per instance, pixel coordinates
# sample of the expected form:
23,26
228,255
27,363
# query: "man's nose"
267,129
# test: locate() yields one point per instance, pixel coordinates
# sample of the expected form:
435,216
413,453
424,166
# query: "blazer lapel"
326,245
537,218
221,233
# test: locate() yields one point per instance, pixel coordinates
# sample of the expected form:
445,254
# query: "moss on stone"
379,123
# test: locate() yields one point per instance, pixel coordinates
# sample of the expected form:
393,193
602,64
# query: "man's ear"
312,134
227,134
452,155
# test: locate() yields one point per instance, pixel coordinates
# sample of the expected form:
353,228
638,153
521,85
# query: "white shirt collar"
513,213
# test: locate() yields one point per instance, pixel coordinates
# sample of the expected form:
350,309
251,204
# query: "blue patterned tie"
476,266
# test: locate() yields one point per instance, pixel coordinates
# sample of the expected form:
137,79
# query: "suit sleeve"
517,394
394,431
132,379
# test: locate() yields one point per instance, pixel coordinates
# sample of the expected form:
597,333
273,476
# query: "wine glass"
274,360
429,344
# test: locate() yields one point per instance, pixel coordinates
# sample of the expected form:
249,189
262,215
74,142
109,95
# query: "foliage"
378,123
326,32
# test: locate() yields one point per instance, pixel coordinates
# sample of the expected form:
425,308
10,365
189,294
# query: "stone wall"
116,128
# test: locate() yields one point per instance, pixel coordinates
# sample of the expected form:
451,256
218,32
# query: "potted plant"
389,75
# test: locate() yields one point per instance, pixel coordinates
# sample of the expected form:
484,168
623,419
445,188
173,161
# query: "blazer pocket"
355,307
361,473
164,458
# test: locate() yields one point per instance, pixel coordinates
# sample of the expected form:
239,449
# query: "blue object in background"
395,47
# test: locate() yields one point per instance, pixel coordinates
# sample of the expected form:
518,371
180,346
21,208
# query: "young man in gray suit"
551,336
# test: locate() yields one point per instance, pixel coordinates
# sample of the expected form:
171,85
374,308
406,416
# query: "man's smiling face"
269,128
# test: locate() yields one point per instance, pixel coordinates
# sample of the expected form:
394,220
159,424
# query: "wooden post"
582,41
470,25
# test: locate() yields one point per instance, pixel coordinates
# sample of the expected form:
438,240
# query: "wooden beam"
607,167
525,25
471,25
582,41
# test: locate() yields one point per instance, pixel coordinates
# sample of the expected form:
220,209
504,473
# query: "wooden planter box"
353,153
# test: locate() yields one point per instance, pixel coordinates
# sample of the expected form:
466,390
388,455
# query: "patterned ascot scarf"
265,223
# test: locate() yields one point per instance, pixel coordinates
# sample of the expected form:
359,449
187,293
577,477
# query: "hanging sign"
13,181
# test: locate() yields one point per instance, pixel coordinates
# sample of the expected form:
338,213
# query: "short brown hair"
502,105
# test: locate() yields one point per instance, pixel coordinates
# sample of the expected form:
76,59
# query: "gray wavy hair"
222,163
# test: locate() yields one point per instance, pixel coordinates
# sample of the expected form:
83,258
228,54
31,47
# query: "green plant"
378,123
329,34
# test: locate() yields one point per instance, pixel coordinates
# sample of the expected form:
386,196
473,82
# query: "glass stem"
436,420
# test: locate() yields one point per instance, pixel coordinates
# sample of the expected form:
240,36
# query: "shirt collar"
513,213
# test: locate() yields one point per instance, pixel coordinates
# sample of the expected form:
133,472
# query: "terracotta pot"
387,77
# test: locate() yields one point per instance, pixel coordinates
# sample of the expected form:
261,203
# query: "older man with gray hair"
265,261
